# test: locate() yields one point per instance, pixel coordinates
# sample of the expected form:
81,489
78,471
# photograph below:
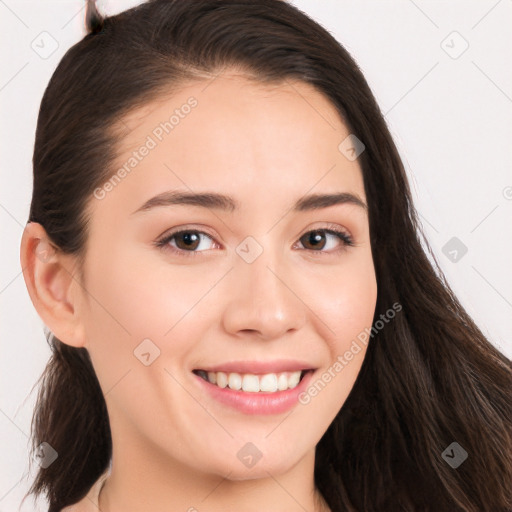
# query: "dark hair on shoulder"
429,378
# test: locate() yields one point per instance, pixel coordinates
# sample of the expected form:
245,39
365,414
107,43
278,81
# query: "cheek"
139,309
345,300
135,296
138,295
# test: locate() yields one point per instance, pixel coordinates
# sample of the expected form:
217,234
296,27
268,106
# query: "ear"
52,285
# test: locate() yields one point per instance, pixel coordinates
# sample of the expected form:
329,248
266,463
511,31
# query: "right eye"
187,242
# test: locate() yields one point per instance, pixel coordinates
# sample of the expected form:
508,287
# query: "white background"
450,117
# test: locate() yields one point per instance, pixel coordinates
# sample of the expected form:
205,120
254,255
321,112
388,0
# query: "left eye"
188,242
316,236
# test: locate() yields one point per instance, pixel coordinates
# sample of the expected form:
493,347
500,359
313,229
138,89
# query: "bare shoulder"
88,503
77,507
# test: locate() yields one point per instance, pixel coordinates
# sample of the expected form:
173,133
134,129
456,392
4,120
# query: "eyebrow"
217,201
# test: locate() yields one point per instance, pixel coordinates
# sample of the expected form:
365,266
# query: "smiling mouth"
251,383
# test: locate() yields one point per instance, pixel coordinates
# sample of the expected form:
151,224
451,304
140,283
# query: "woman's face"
256,293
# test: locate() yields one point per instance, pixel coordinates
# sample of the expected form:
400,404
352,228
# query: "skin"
174,447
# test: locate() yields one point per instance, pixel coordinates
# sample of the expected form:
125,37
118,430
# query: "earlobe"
48,274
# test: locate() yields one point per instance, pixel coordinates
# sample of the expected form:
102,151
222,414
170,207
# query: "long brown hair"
429,378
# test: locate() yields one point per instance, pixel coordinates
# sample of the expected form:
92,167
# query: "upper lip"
259,367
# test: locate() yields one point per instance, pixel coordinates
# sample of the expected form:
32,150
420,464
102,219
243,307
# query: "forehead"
237,136
232,91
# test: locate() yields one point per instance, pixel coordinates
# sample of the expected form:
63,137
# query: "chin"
236,470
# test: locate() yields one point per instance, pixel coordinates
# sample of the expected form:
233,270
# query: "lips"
259,367
255,376
253,388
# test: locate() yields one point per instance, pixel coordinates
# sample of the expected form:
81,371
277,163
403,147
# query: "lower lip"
256,403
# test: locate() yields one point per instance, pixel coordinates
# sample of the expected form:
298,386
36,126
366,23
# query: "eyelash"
346,239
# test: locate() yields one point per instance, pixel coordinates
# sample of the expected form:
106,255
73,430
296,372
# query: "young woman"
223,246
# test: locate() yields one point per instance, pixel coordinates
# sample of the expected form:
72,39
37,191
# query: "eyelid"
198,228
326,226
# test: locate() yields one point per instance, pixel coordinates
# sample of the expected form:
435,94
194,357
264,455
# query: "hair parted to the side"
430,377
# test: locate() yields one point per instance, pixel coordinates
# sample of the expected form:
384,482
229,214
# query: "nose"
263,302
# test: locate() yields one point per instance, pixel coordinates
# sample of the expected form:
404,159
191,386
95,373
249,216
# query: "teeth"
282,382
222,379
293,380
235,381
249,383
268,383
